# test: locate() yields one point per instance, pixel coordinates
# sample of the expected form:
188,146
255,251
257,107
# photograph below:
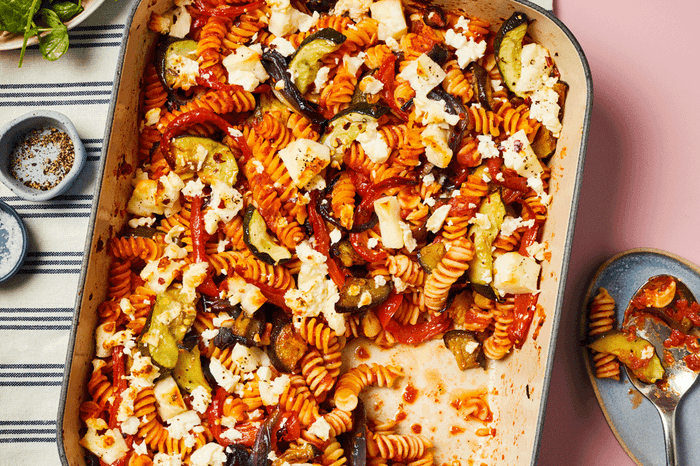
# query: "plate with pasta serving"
660,284
328,233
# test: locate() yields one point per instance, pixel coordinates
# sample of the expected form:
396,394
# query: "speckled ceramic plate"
632,418
14,41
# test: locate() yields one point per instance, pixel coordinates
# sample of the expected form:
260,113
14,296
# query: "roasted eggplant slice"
430,256
321,6
344,251
481,83
211,160
465,347
286,347
173,58
237,455
360,294
297,454
439,54
544,143
265,440
259,241
435,17
344,128
276,66
480,269
508,47
188,371
307,60
142,232
354,443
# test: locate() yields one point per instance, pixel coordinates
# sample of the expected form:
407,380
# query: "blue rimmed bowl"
13,242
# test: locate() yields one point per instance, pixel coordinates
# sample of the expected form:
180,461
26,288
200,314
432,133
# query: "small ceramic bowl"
13,242
12,134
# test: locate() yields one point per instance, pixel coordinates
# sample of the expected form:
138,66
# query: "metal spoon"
666,394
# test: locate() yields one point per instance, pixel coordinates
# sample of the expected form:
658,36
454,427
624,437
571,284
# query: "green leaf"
66,10
55,43
15,14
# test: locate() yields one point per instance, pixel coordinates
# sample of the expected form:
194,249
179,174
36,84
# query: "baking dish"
516,386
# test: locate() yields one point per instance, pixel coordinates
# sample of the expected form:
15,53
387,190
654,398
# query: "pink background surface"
641,184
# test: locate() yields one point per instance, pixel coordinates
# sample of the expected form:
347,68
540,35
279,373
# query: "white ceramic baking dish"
516,386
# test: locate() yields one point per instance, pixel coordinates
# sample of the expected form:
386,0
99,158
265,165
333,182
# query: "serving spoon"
667,393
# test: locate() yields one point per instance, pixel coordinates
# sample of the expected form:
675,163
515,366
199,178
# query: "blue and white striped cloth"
36,306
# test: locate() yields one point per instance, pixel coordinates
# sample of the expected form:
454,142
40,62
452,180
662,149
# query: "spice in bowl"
42,158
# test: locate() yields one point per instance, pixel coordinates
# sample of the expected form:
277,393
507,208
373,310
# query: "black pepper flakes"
42,158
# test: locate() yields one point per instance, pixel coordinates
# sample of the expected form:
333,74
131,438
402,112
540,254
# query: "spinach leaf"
66,10
15,13
55,43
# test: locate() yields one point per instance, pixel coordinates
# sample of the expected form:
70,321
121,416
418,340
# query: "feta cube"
515,274
304,159
390,14
389,213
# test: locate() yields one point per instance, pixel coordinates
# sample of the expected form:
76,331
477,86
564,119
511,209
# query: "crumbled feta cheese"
246,294
169,400
321,78
487,147
389,213
211,454
438,217
163,459
152,116
109,446
270,391
182,23
365,299
436,137
314,295
230,198
536,250
409,241
143,372
516,274
519,156
142,222
379,280
283,46
248,359
545,108
201,398
352,64
510,224
647,352
423,74
335,236
372,243
432,111
181,424
535,69
193,276
304,159
285,19
224,377
373,144
391,18
320,428
466,49
371,85
161,196
208,335
245,68
482,220
130,426
356,9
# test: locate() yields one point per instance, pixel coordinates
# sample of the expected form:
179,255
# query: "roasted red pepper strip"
118,382
199,240
359,244
322,240
214,413
274,295
288,426
200,115
386,75
364,210
528,238
227,11
523,311
361,182
410,334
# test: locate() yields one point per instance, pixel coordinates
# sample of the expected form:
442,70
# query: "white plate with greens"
9,41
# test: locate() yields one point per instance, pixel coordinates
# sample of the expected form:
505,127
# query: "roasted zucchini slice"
211,160
260,242
482,234
188,371
632,353
286,346
172,59
344,128
430,256
508,47
481,83
306,61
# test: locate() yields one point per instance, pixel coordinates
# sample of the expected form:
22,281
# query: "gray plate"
632,418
